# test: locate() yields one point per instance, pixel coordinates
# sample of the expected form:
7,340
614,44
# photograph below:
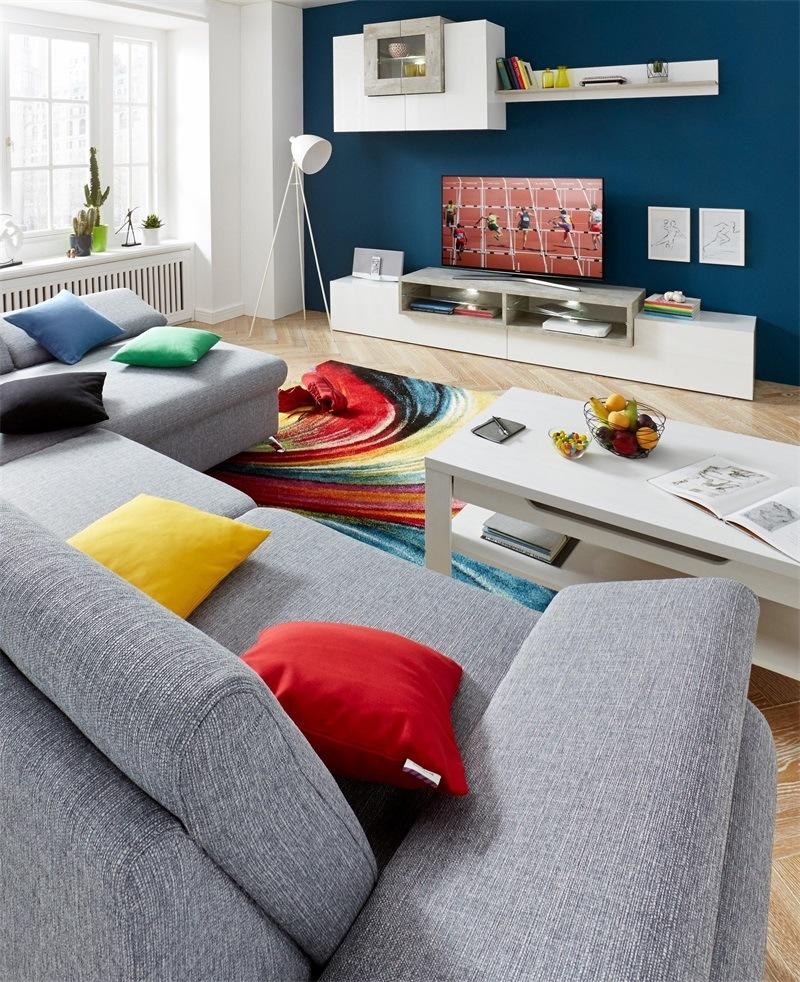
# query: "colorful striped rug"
362,472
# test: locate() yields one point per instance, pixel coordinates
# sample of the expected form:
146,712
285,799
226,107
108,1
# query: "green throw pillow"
167,347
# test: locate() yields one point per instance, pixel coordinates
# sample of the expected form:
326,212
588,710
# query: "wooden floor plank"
774,414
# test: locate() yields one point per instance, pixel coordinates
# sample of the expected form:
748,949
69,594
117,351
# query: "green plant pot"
99,238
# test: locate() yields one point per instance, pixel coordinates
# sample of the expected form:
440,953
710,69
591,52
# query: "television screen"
550,226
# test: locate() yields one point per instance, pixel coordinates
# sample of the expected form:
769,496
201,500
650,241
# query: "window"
133,124
49,126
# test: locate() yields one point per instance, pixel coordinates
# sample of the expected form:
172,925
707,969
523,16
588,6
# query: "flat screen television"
534,226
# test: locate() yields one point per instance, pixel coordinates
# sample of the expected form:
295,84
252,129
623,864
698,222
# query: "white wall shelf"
469,100
686,78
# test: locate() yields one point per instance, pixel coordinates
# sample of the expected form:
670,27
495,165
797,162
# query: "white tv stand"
709,353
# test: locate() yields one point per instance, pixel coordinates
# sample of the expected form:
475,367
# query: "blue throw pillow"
65,326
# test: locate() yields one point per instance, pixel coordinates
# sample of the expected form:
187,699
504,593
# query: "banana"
599,409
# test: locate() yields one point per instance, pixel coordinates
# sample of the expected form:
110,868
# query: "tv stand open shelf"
523,307
711,352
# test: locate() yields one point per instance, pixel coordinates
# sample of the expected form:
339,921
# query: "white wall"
272,111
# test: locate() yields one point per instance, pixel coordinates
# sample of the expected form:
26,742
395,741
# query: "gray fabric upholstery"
101,884
122,307
592,843
741,935
68,486
153,405
192,726
310,572
6,364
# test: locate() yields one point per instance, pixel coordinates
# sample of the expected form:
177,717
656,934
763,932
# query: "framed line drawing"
669,234
722,236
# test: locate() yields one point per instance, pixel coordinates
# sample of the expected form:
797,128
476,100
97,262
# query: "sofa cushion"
167,347
172,552
592,842
67,486
193,726
66,326
58,402
6,364
144,403
101,884
122,307
309,570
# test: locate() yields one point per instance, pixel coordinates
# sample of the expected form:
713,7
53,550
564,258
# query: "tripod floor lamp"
309,155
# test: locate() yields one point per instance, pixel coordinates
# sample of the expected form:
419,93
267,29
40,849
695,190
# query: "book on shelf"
432,306
750,499
518,73
502,74
475,310
656,304
514,73
524,538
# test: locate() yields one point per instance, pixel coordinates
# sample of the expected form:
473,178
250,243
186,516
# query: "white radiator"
161,275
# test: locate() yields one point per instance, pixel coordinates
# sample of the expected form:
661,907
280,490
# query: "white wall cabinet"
469,100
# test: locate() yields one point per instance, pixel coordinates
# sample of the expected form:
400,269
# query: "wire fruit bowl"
606,435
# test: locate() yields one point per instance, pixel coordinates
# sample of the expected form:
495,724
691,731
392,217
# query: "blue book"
433,306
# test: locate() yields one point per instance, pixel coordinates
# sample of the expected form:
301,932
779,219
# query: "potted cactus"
94,198
151,229
82,226
657,70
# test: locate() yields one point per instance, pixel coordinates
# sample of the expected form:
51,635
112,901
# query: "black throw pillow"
52,402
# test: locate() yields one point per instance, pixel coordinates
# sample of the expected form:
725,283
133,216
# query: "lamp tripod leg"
298,179
316,257
272,247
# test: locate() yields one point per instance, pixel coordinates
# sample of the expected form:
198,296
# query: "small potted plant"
151,229
82,227
657,70
94,198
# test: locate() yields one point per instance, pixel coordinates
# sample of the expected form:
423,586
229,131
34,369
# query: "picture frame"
721,236
669,234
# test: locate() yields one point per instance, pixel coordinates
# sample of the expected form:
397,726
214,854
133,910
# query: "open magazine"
751,499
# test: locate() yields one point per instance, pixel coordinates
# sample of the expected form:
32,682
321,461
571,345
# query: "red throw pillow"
375,706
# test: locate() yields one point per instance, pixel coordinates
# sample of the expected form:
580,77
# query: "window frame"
152,131
46,243
50,33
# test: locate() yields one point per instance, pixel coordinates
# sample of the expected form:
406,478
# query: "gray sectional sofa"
162,819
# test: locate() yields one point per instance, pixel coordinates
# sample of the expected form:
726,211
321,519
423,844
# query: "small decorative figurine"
674,296
10,242
130,231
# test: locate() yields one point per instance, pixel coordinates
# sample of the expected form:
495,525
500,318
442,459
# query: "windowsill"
117,254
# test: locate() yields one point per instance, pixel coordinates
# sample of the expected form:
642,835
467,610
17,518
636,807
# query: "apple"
625,443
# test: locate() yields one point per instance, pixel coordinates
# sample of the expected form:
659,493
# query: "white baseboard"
219,315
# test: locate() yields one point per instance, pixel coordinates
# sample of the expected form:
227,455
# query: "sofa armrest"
592,842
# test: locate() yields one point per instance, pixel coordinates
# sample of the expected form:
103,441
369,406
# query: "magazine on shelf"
527,539
751,499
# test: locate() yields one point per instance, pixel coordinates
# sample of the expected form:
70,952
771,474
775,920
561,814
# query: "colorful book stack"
669,308
515,73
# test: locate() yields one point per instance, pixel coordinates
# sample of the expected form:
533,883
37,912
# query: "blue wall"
737,150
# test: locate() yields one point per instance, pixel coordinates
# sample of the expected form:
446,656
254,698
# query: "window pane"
70,133
70,68
27,64
121,136
121,88
121,195
29,193
140,136
140,192
29,133
140,72
68,196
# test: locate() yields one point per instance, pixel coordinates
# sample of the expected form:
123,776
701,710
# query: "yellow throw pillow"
174,553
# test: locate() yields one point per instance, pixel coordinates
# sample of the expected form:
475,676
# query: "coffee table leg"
438,521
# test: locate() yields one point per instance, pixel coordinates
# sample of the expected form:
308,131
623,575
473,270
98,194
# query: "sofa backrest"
193,726
122,307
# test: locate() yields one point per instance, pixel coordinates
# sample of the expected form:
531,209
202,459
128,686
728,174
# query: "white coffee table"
627,528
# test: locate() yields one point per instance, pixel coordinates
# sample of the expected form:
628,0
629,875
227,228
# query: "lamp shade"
310,153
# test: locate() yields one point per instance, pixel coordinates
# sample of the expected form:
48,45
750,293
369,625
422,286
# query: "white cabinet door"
469,101
354,112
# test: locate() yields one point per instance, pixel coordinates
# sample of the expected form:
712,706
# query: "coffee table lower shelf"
778,638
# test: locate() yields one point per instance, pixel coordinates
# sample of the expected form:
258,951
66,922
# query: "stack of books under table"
656,304
527,539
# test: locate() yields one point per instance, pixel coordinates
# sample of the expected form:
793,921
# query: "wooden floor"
774,414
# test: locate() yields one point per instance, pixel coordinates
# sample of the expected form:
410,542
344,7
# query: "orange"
618,421
616,402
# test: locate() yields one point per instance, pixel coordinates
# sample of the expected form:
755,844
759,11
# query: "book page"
718,484
776,520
